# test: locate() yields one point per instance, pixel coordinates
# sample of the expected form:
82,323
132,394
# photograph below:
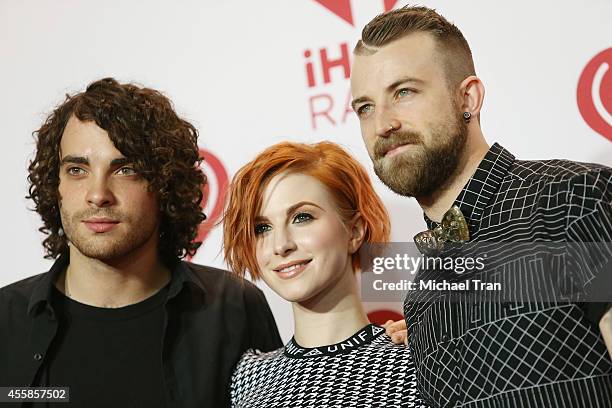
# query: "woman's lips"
293,270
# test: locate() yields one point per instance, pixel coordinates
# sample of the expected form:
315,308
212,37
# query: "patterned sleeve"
590,221
240,375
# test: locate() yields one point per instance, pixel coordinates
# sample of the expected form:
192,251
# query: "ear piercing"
467,116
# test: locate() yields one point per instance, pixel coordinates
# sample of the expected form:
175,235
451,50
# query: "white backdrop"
238,71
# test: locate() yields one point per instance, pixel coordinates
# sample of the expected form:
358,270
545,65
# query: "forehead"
414,55
286,189
86,139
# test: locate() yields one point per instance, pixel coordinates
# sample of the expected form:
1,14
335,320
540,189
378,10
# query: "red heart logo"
594,93
343,9
219,178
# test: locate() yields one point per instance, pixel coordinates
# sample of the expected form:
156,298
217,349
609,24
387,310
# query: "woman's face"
302,245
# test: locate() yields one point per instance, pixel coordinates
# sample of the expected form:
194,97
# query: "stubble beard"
109,246
426,169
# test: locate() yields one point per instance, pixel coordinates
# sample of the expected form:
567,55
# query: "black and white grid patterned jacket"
528,354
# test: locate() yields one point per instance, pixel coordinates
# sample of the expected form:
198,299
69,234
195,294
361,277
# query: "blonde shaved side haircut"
393,25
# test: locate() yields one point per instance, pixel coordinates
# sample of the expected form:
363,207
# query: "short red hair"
346,179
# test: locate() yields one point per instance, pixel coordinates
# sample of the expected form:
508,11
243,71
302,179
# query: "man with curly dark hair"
119,318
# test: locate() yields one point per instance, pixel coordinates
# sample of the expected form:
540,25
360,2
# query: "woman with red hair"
297,217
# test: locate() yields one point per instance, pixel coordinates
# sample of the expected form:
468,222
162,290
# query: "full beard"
107,247
426,169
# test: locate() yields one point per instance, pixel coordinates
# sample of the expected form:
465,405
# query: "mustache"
384,144
93,213
83,215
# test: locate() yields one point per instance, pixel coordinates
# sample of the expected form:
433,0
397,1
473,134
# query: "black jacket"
212,317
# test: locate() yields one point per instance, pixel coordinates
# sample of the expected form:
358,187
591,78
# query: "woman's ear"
357,233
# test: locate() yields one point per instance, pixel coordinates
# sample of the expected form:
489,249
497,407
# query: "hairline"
366,50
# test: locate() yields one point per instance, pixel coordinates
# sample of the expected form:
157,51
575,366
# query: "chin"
103,253
294,297
307,296
295,294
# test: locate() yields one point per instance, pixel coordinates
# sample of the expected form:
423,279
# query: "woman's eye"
261,228
302,217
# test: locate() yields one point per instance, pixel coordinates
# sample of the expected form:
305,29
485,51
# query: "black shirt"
97,350
529,354
210,318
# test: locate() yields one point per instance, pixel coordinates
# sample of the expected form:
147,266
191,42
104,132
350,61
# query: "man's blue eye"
364,109
403,92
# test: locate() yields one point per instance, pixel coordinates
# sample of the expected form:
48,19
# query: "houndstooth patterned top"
366,370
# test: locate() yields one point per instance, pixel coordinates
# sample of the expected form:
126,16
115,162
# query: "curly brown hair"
143,126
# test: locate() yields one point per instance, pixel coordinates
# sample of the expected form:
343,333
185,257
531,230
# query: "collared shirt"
530,354
212,317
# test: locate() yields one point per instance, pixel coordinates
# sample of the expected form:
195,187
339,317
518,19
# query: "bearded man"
419,100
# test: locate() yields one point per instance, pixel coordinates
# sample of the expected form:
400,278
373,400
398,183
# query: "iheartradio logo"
327,66
381,316
214,193
594,93
344,9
